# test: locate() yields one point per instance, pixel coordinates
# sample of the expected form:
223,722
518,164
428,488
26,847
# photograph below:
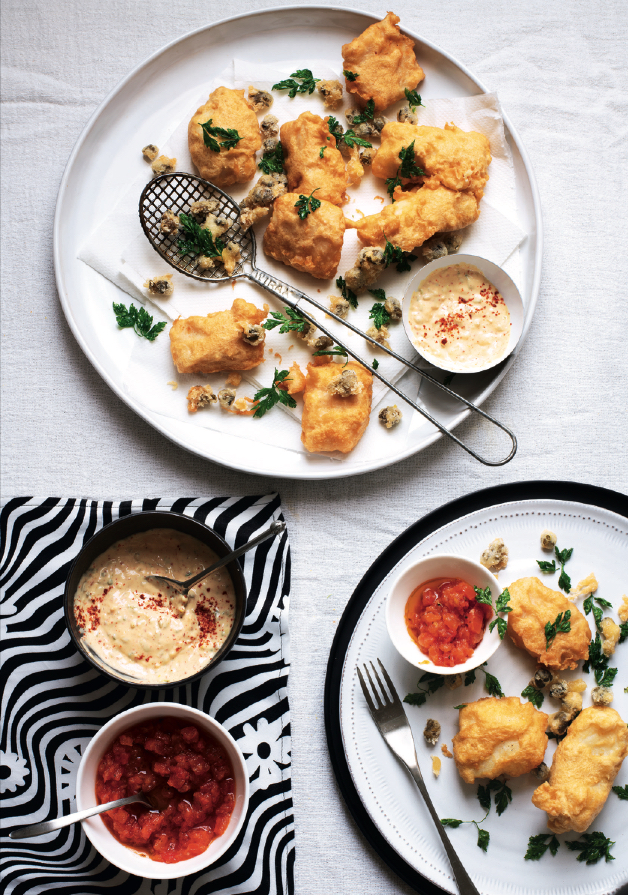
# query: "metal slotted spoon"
176,192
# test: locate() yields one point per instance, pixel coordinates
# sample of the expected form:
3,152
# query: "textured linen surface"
54,700
560,73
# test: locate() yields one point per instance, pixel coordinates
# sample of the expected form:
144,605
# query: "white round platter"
98,173
599,539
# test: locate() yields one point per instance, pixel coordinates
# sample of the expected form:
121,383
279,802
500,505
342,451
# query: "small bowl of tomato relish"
434,618
191,770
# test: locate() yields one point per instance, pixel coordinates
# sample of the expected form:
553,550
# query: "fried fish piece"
302,141
383,60
584,767
458,159
313,245
416,216
499,736
225,108
533,606
333,422
214,343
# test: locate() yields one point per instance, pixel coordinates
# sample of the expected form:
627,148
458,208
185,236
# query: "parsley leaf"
606,678
379,294
266,398
375,363
198,241
564,581
469,677
230,137
484,837
419,698
407,169
592,847
272,162
462,705
546,566
538,845
563,555
351,139
483,595
139,319
379,315
560,625
492,685
347,293
590,607
503,795
451,822
391,185
307,85
307,204
322,152
484,797
350,75
623,628
599,663
503,602
433,681
336,351
395,254
335,128
413,98
621,792
293,322
367,115
533,695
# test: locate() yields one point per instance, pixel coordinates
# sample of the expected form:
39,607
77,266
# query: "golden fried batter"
499,736
227,109
313,245
533,606
331,422
302,141
384,61
416,216
458,159
584,767
295,383
214,343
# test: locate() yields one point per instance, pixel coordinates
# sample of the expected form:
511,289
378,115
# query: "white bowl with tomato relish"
434,619
463,313
194,820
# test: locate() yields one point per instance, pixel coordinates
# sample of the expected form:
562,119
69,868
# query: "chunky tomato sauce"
188,778
446,621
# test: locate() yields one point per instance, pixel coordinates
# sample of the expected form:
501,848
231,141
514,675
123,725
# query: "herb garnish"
560,625
592,847
407,169
434,682
503,796
307,85
139,319
564,581
623,632
538,845
266,398
367,115
546,566
347,293
272,162
589,607
379,315
349,137
336,351
413,98
375,363
199,241
395,254
230,137
484,596
621,792
293,322
483,835
604,676
322,152
490,681
307,204
533,695
350,75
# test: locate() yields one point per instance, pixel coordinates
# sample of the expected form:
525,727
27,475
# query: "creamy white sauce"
459,319
143,628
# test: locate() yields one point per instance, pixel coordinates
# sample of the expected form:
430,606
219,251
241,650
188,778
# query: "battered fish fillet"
533,606
313,244
227,109
499,736
416,216
458,159
214,343
331,422
302,141
384,61
584,767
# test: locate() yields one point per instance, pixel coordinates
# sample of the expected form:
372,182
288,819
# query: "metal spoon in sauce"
183,587
48,826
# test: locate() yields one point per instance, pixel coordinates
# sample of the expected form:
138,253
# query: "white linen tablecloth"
561,75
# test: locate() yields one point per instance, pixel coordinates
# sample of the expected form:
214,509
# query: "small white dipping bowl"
440,566
98,834
504,285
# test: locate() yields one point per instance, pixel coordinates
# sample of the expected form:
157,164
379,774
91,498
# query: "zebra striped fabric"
54,701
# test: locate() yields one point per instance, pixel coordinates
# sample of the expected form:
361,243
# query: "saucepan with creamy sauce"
142,632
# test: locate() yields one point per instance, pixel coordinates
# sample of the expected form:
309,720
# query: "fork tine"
378,699
393,692
365,690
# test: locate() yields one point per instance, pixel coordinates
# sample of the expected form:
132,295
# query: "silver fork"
390,719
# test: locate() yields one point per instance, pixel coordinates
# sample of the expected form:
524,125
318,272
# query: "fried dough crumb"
269,126
344,385
602,696
583,588
446,751
431,732
495,557
169,223
390,416
380,335
577,686
226,397
259,100
542,772
339,306
201,209
548,539
572,704
174,385
231,257
206,263
453,681
622,612
253,333
163,165
162,286
233,380
200,396
251,216
436,765
331,91
150,152
611,632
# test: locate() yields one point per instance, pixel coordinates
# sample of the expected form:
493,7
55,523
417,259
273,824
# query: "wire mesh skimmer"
176,192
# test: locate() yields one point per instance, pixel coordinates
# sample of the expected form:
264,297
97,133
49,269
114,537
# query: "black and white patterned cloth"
54,701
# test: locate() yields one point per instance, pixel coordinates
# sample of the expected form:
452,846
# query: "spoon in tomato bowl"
48,826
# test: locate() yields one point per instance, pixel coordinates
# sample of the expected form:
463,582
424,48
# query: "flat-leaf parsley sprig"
336,351
230,137
292,321
414,99
395,255
272,161
621,792
139,319
560,625
590,607
533,695
347,293
349,137
484,595
307,204
307,85
538,845
503,796
484,837
198,241
592,847
493,687
433,683
408,169
266,398
350,75
598,662
379,315
564,581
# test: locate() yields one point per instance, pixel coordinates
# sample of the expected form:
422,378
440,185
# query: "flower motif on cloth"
17,771
67,761
262,748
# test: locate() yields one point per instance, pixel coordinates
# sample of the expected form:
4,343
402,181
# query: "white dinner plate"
384,801
97,175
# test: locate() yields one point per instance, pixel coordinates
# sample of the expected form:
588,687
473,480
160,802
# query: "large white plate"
98,173
600,541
